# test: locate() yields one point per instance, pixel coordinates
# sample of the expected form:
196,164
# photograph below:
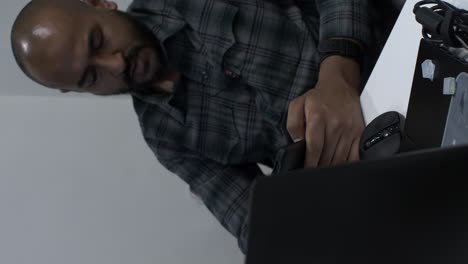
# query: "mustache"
161,63
129,60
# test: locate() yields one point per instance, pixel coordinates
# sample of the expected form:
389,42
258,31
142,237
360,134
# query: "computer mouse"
382,137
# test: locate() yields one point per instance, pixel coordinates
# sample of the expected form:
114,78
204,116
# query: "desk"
389,85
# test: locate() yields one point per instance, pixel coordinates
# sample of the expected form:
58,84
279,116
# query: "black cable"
443,23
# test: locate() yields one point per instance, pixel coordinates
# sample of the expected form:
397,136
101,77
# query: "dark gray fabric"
242,62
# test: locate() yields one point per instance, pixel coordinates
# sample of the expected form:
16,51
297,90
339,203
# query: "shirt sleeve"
224,189
344,18
340,18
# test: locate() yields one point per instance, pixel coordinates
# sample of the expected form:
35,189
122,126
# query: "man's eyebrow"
83,78
86,71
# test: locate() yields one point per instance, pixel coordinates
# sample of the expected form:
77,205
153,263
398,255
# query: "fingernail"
297,140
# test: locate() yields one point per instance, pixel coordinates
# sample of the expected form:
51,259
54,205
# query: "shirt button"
275,116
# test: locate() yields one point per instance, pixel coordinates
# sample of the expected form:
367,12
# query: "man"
218,85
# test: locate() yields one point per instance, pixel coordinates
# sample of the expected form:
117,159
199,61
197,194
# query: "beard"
160,62
160,65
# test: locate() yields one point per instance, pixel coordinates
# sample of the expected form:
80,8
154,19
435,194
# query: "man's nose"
113,63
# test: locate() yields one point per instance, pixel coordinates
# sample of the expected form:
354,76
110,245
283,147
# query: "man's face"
95,50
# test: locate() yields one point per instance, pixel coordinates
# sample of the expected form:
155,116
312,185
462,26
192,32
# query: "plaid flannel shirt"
241,63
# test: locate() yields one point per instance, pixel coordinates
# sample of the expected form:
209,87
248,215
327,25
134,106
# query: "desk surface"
389,86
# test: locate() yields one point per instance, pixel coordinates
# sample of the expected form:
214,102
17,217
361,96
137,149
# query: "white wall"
79,185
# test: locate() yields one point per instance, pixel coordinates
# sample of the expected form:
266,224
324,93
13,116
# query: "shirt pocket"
224,146
210,126
211,38
213,132
211,33
267,52
209,130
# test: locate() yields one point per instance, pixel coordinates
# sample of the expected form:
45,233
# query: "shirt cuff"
345,19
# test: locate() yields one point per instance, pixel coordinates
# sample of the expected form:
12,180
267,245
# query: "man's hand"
329,117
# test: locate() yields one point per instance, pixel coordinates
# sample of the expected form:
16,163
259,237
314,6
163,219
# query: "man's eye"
96,41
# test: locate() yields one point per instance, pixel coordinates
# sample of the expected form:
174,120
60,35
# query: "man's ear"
101,3
64,91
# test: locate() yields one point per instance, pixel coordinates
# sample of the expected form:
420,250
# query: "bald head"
84,46
36,28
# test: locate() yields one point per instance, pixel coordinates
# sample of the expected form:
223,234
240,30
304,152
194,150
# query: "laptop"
432,118
410,208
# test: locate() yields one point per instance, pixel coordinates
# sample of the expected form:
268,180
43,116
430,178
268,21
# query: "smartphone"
294,157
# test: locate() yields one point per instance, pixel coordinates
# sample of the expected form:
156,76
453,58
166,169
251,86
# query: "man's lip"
133,67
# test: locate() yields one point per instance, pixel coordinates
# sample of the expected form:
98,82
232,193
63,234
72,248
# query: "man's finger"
332,138
295,122
342,151
315,136
354,151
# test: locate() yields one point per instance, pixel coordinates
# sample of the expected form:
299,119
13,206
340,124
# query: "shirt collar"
165,101
163,23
